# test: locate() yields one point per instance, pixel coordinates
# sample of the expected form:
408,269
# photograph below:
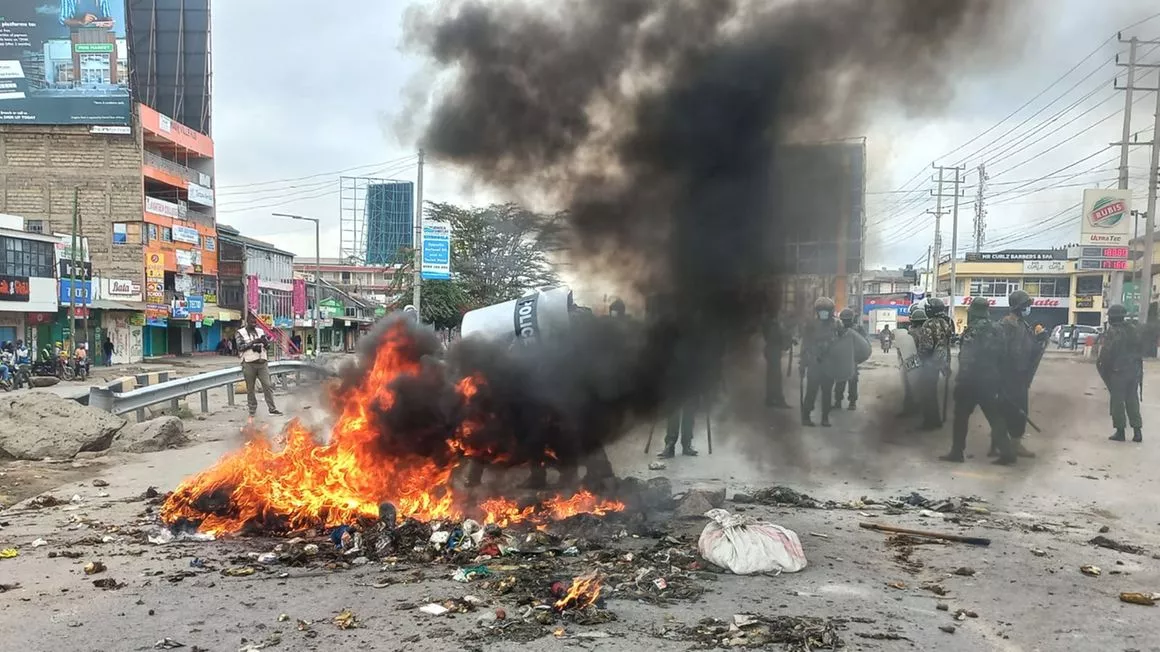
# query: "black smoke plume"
656,124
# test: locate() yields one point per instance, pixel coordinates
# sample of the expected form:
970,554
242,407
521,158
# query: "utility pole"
955,239
980,210
419,241
1149,220
72,285
938,212
1116,292
926,281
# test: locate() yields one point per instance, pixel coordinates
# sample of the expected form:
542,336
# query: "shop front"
1046,311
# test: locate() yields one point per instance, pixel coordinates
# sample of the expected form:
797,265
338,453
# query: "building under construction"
819,213
376,220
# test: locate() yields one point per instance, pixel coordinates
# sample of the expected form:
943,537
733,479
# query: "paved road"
1053,504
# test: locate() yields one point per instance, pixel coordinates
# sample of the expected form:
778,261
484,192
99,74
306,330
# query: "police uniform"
978,382
820,335
1120,365
777,341
933,343
1021,350
840,386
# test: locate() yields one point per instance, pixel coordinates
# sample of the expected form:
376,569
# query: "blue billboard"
64,62
436,251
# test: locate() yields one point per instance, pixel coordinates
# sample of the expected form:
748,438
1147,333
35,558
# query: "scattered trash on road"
1145,599
656,466
950,629
945,536
238,571
1112,544
167,644
100,483
434,609
108,583
1091,571
9,553
94,567
346,619
746,545
38,543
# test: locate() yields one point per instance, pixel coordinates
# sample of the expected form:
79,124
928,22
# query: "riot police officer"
847,317
820,336
1022,349
933,341
1120,365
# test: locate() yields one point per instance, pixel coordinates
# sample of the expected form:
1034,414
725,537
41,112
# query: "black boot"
825,420
1119,436
1137,436
689,451
1020,449
669,452
852,406
952,457
806,421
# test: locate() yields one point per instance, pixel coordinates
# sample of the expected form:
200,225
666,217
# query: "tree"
498,252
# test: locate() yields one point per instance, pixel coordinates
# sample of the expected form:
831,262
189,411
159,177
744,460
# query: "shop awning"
109,304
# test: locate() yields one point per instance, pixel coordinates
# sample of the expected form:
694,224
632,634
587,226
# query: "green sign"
380,311
331,308
1131,298
93,47
208,321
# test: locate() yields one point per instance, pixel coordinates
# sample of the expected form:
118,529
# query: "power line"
410,158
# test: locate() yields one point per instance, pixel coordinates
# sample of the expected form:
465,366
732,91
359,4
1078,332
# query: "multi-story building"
376,284
1060,292
259,278
28,284
890,290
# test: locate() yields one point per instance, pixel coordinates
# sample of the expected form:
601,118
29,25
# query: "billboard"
64,63
1106,217
436,250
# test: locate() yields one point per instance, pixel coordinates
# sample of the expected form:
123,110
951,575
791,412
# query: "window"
20,257
210,243
1047,287
1089,286
126,233
166,234
345,277
874,288
152,233
34,226
993,287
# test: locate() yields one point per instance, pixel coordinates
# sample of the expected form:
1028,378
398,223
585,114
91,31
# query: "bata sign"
1036,302
1105,217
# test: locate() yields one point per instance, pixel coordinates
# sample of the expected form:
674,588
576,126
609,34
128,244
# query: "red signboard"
41,318
14,288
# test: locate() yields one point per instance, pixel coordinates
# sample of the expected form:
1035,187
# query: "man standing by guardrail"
253,348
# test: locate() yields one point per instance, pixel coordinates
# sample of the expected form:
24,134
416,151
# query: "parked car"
1064,334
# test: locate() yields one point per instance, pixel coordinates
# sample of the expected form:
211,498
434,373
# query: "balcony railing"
176,169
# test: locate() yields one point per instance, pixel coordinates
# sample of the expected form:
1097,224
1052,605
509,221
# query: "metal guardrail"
174,390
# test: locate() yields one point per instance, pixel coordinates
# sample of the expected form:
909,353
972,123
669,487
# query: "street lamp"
317,276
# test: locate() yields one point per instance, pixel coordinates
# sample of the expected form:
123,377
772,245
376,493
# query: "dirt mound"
37,425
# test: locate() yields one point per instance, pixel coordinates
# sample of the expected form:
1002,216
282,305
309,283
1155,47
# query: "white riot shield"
908,360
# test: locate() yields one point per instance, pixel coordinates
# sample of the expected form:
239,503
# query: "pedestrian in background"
1120,365
107,349
253,348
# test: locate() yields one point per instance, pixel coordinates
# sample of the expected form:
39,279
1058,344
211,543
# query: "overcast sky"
302,94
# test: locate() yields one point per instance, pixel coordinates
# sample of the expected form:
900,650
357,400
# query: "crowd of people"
997,362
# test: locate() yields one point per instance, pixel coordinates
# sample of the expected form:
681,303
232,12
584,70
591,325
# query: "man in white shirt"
252,348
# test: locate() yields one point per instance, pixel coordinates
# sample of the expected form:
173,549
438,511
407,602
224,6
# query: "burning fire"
366,463
585,590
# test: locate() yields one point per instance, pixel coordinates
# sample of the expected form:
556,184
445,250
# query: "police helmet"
935,306
917,315
1117,312
1018,300
847,314
823,303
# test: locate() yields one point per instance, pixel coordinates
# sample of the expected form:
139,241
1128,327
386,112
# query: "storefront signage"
283,322
83,271
200,194
196,306
164,208
155,280
14,288
1085,302
1016,255
1036,302
1045,267
210,297
81,294
179,309
185,234
1106,219
121,287
41,318
1101,263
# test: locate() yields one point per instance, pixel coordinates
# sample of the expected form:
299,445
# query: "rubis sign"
1105,215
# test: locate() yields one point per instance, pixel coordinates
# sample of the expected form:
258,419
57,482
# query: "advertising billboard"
1105,217
436,250
64,62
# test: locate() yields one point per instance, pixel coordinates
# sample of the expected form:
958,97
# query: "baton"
1022,414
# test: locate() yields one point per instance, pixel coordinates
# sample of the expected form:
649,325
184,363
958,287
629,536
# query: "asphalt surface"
1027,588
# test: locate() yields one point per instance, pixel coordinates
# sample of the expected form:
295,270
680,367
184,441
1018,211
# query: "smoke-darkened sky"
357,98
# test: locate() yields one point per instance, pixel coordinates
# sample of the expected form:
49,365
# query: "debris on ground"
9,587
796,633
963,614
950,629
746,545
108,583
100,483
1091,571
783,496
1145,599
38,543
1039,552
94,567
1112,544
346,619
656,466
167,644
964,571
151,436
38,425
8,553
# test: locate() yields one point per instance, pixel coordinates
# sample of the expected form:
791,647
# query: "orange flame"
308,484
585,590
